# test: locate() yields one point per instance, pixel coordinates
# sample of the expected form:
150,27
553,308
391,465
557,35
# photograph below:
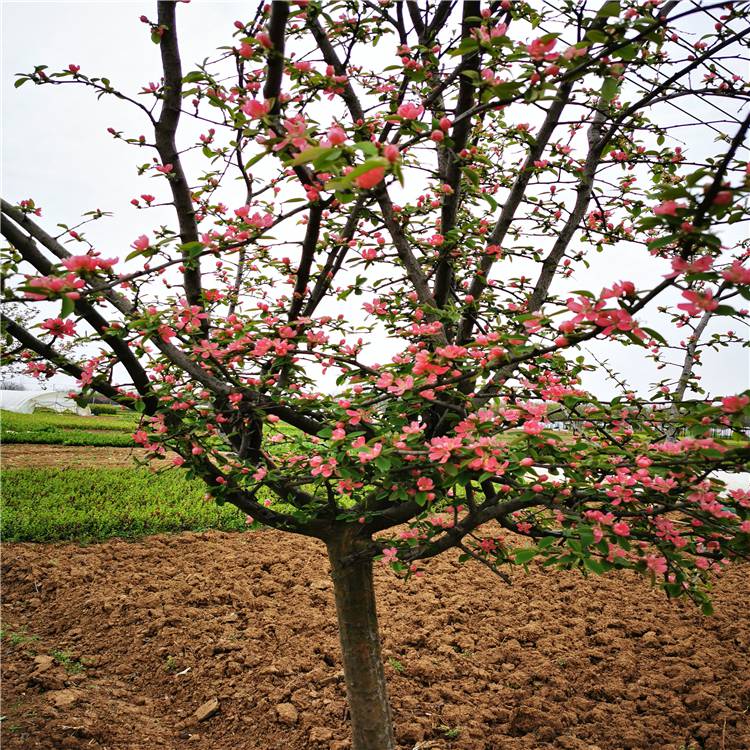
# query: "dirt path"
17,456
169,623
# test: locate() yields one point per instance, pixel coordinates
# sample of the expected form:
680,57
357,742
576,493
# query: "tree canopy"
430,197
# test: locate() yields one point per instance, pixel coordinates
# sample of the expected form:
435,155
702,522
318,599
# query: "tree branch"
165,131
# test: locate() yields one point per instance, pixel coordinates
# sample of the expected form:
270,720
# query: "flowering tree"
447,197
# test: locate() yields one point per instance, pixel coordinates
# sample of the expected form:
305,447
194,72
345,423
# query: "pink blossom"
164,168
656,564
391,152
372,454
668,208
322,467
623,288
573,51
723,198
700,265
140,437
621,528
390,555
142,243
696,302
532,427
441,447
731,404
538,49
371,178
47,287
737,273
81,264
58,327
410,111
264,39
255,109
336,135
425,484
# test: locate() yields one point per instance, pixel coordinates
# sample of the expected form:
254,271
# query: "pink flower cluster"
50,287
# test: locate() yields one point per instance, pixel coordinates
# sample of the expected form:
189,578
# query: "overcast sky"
55,147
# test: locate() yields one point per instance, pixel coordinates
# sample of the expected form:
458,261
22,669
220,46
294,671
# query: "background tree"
443,210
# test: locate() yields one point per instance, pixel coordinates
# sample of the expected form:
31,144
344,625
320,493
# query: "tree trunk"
371,722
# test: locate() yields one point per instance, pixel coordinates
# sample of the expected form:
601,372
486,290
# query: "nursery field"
49,428
64,478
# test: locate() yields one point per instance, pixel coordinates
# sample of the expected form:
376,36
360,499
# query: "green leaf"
611,8
20,82
627,53
725,310
506,90
310,154
610,89
547,541
191,249
524,555
467,45
383,463
255,159
194,76
594,565
491,201
663,241
368,148
473,176
68,305
586,536
707,608
655,335
598,37
346,181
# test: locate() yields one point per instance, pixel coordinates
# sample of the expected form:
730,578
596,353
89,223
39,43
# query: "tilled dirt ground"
146,633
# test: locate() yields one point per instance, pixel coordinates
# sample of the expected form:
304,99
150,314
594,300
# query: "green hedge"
99,409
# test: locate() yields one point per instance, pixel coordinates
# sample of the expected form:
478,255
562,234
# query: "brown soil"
18,456
165,625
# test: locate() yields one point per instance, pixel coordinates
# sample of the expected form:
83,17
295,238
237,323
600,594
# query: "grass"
65,659
44,420
49,428
87,505
69,437
19,637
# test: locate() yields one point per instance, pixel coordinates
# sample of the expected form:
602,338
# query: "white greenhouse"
25,402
